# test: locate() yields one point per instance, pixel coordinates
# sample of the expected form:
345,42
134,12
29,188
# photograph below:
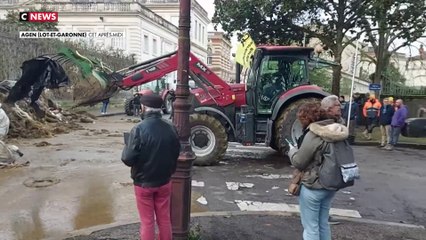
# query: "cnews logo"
38,16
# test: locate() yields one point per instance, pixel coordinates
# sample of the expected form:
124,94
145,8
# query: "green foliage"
267,21
13,17
321,77
391,74
390,26
195,233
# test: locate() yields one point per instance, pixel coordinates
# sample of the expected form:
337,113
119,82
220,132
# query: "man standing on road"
105,103
351,118
371,112
137,104
386,114
398,122
152,149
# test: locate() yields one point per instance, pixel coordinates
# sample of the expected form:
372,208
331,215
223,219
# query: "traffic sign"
374,87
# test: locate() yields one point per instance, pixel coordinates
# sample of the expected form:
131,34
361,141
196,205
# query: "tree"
13,18
389,21
328,20
265,20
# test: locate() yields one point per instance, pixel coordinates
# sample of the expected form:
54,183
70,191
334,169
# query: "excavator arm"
213,87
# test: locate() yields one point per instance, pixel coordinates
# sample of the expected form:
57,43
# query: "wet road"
90,185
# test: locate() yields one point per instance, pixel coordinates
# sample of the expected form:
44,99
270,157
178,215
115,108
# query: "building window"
209,60
118,43
199,32
145,43
202,34
154,47
195,29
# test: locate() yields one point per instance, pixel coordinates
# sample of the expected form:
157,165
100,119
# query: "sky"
209,7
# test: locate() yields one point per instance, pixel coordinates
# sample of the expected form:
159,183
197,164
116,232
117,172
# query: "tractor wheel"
128,107
168,104
288,126
208,140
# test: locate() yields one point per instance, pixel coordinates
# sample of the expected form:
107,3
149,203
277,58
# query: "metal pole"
181,180
352,85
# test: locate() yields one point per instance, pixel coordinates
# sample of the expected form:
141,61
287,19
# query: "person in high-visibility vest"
371,112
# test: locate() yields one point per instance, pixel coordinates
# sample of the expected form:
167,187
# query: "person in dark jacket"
137,104
105,103
152,149
351,118
386,114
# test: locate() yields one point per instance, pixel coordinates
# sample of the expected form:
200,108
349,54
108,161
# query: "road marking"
234,186
250,147
271,176
196,183
252,206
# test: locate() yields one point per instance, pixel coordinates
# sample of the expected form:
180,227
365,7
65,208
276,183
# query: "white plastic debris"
202,200
275,187
234,186
346,192
352,198
196,183
4,124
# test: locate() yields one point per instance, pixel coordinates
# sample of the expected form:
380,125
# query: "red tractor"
263,110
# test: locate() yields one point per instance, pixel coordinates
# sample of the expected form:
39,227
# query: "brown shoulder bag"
294,187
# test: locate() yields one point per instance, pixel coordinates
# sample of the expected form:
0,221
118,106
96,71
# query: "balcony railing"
109,7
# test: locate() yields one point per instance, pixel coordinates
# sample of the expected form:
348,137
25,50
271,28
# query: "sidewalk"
265,227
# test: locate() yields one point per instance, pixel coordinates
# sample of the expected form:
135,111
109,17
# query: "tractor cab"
275,70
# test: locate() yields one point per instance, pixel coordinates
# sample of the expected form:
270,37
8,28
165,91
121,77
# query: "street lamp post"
181,180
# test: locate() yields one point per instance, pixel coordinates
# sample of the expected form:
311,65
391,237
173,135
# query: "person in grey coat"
315,200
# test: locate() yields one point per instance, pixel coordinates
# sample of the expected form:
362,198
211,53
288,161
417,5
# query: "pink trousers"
156,201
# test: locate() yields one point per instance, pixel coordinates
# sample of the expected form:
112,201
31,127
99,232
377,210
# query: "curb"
90,230
401,145
288,214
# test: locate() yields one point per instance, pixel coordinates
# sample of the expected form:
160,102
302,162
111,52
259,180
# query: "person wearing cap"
151,150
371,112
392,103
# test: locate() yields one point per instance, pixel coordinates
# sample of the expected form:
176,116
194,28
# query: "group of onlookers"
389,115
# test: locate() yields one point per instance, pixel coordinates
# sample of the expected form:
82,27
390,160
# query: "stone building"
219,55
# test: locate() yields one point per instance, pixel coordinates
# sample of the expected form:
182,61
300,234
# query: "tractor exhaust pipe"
238,69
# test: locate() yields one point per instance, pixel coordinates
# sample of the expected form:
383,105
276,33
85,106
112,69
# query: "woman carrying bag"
314,200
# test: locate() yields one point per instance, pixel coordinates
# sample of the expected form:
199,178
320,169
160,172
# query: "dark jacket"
354,111
308,157
386,114
137,100
152,151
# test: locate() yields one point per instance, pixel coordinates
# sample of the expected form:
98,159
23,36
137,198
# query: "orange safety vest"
371,110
